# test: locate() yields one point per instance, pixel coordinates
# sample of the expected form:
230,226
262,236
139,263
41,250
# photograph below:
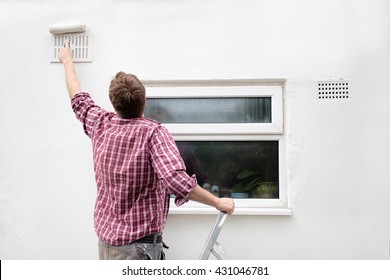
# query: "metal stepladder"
212,246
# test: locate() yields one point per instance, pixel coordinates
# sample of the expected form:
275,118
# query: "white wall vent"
334,89
81,47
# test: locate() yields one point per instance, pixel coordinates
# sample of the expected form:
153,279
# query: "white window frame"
273,131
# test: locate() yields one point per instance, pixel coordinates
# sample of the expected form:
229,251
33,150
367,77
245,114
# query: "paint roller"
68,29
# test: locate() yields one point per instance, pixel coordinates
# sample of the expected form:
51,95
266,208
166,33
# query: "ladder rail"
209,247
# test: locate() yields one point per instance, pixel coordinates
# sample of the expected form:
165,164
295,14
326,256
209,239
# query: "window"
210,110
238,169
230,134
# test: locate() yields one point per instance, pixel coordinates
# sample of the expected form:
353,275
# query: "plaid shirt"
137,166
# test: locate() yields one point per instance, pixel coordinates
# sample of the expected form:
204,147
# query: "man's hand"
199,194
225,205
65,54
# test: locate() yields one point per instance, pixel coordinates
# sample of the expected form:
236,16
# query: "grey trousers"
133,251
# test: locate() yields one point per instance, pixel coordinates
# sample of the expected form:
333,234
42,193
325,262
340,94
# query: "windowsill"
277,211
260,207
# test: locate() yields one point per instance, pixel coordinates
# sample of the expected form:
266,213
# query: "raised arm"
72,81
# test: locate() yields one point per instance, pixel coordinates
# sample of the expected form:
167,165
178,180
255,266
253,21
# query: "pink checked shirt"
137,166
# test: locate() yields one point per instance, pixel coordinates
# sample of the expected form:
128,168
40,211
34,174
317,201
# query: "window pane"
234,168
210,110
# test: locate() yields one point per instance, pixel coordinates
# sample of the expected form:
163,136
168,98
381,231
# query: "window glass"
210,110
239,169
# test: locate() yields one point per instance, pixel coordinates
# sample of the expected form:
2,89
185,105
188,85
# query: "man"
137,166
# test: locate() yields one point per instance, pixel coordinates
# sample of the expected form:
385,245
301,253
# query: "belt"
152,239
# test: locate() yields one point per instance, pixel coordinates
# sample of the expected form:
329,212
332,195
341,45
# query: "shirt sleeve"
169,165
86,111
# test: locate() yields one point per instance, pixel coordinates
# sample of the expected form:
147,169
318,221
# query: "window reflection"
241,169
210,110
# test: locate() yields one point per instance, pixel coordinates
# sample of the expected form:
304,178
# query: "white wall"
337,153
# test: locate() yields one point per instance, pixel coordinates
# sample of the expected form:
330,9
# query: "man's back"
137,165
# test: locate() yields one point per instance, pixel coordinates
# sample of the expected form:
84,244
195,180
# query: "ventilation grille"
81,47
334,90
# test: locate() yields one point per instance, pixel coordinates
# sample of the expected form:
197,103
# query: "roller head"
66,28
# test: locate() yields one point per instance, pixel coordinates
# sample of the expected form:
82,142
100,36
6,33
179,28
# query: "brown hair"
127,95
